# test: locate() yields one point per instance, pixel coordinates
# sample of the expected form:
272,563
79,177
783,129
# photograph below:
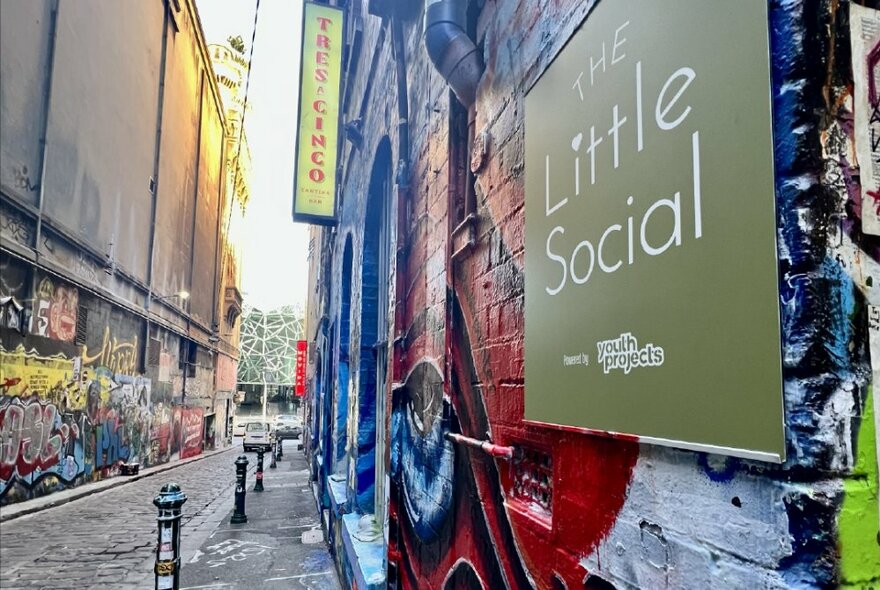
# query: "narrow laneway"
280,546
108,539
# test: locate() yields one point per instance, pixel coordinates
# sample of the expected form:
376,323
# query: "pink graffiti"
875,195
31,438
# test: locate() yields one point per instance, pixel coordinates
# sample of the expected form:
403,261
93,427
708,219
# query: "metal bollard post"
272,464
241,465
169,502
280,448
258,487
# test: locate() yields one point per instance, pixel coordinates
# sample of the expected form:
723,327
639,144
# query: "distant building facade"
268,353
116,204
230,68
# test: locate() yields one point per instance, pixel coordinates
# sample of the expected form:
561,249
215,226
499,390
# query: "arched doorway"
375,267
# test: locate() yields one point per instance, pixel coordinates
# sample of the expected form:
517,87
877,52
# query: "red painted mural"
513,534
55,310
189,427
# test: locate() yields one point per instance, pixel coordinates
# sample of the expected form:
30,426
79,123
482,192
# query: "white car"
256,435
238,429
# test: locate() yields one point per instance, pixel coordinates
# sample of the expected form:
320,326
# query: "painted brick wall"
612,511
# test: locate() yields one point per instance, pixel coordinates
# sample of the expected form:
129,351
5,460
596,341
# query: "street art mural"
55,310
37,441
65,420
189,423
571,510
115,355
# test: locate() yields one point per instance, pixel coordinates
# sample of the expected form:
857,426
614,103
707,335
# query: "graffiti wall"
572,510
72,413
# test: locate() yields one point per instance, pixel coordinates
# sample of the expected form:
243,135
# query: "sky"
275,265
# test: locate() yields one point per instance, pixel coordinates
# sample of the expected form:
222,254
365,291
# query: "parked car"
256,435
287,426
238,429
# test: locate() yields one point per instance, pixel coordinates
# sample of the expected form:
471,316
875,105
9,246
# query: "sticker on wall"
652,304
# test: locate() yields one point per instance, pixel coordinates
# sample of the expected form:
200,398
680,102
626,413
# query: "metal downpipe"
453,52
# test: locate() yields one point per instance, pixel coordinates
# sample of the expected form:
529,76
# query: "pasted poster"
651,288
865,39
188,430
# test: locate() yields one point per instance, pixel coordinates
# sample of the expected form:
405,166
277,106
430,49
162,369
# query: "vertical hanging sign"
300,376
314,190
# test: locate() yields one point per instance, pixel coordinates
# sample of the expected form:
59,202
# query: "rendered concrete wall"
24,50
105,86
178,163
89,349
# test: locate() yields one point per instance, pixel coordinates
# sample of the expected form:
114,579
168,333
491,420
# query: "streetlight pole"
265,392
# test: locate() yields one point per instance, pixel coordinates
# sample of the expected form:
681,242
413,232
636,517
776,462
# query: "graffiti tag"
117,356
33,437
233,550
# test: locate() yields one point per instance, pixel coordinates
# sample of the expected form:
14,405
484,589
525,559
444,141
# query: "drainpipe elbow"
453,53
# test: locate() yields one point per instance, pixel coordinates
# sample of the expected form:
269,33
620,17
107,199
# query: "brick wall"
607,511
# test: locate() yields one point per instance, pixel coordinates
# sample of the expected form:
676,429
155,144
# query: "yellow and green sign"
314,191
652,303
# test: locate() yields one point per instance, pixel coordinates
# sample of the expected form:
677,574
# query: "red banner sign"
301,355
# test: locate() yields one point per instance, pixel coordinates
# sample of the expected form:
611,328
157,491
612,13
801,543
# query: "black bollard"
272,464
241,465
258,487
169,502
280,448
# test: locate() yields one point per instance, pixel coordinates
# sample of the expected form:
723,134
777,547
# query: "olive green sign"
652,304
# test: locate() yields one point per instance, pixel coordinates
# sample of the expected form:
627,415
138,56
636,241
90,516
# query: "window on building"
155,351
82,322
187,357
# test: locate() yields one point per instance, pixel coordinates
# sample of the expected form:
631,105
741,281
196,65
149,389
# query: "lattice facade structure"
268,345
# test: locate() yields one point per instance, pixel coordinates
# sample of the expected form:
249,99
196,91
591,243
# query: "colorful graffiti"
62,424
111,447
55,311
36,440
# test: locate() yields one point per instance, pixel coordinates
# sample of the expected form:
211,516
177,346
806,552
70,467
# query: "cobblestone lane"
107,540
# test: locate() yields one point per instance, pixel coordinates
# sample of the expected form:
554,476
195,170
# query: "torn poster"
865,40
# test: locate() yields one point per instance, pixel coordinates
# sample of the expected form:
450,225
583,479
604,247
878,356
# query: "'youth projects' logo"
624,353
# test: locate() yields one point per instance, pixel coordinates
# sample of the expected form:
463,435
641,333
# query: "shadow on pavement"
281,545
